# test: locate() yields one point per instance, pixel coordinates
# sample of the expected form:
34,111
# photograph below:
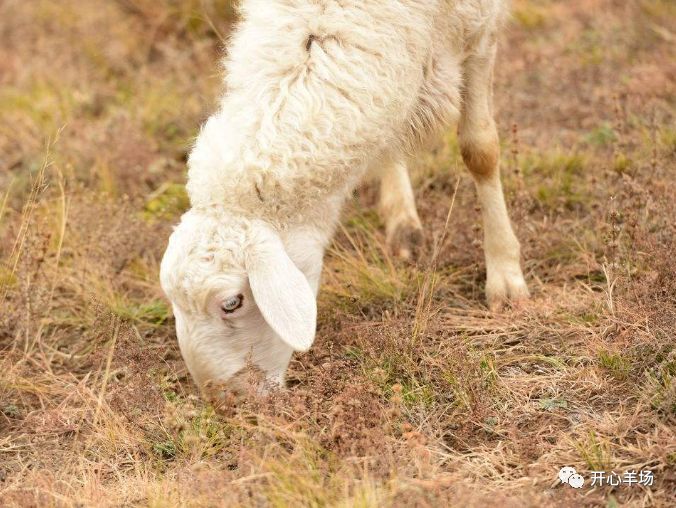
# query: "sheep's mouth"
248,382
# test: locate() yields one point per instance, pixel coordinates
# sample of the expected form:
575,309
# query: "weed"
558,177
618,366
603,135
549,404
594,451
530,17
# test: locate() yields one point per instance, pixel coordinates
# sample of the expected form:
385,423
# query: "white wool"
316,89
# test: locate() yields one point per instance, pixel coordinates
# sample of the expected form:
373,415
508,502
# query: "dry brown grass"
414,394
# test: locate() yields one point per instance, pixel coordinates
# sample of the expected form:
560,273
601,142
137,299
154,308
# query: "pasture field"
414,394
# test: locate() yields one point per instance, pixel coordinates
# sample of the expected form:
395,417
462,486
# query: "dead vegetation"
414,394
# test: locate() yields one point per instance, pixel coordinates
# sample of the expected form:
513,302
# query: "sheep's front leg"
396,207
481,152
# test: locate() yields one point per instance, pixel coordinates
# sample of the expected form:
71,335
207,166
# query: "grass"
374,278
618,366
562,178
529,15
414,394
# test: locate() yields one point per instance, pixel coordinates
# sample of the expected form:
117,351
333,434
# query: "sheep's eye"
232,304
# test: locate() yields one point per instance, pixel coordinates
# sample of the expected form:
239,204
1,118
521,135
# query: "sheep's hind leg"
396,207
481,152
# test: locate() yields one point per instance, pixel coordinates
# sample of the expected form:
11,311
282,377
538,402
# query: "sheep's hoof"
406,241
507,287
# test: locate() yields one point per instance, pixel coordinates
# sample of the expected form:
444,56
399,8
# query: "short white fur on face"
210,263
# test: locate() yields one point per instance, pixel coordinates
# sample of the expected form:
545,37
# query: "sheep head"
238,298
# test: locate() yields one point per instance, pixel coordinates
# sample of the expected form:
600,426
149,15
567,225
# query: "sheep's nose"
249,380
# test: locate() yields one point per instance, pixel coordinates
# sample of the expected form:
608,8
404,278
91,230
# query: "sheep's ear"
281,291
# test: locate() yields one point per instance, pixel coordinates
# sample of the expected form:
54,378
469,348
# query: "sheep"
320,95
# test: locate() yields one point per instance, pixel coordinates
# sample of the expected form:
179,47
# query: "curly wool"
317,89
214,250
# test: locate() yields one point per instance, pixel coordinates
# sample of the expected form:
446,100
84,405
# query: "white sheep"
320,94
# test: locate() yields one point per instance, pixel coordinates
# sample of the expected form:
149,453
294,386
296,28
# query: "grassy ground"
414,394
